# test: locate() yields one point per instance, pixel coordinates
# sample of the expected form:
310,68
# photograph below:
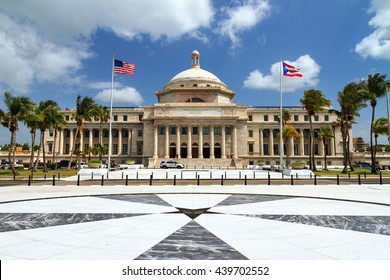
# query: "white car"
171,164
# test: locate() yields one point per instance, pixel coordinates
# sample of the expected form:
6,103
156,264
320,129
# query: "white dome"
195,74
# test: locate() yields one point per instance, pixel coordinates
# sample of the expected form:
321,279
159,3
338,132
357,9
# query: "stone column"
212,155
290,147
261,142
155,142
223,136
271,142
178,145
61,145
90,138
301,150
82,140
129,138
189,149
200,131
166,141
321,148
71,141
119,141
235,143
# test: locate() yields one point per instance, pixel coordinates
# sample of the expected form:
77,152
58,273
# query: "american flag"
291,71
121,67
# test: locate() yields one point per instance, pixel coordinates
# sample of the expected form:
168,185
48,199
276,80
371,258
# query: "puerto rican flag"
291,71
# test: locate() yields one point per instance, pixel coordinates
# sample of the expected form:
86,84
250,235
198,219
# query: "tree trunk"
376,144
33,135
312,165
349,152
11,153
74,147
53,160
39,152
324,142
373,168
44,151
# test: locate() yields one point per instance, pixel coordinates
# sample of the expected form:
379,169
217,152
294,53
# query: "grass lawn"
334,172
39,173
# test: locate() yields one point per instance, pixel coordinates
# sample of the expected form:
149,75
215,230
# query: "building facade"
196,122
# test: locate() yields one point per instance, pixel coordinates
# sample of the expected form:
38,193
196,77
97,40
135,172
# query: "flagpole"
281,117
110,122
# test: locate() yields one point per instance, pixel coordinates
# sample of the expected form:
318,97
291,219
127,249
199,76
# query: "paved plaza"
195,222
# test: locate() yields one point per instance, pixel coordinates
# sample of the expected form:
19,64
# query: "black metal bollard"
137,175
221,180
211,175
32,175
338,179
102,183
349,174
59,175
107,175
292,180
254,174
127,180
240,174
245,182
14,177
315,179
29,180
359,182
225,174
44,176
269,179
151,180
122,175
198,183
380,178
78,180
91,175
174,180
54,180
365,175
166,174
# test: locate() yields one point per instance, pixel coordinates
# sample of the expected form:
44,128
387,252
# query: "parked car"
6,165
65,163
365,165
171,164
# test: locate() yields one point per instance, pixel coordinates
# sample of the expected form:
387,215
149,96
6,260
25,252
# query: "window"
86,133
275,133
326,118
106,133
125,133
50,147
306,118
316,118
266,118
115,149
306,149
250,118
51,132
306,133
86,147
125,118
250,148
115,133
265,149
276,149
139,147
96,133
125,149
172,130
140,117
67,148
206,130
195,130
296,118
295,149
115,118
316,151
250,133
67,117
217,130
228,130
139,132
161,130
265,133
184,130
276,118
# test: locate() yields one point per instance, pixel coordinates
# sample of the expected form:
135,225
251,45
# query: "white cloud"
124,95
44,40
377,44
242,18
309,69
104,85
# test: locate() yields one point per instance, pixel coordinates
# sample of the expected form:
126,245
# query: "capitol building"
196,122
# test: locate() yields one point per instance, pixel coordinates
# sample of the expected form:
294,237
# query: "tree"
325,133
377,86
85,111
379,127
50,114
58,125
351,100
32,122
102,113
286,116
99,150
18,108
313,101
289,132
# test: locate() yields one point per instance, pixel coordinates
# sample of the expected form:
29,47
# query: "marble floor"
195,223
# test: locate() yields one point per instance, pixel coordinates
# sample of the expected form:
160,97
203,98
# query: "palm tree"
58,124
289,132
325,133
313,101
32,122
19,107
377,86
286,116
103,115
85,111
379,127
351,100
50,114
99,150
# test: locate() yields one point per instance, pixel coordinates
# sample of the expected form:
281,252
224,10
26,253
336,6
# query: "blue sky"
59,49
